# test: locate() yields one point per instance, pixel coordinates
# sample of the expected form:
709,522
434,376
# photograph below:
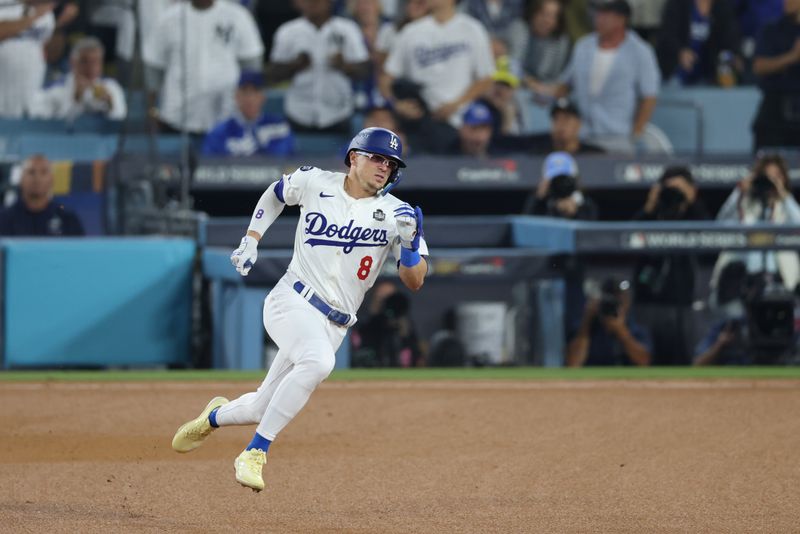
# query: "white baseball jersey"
58,101
341,243
22,64
386,38
319,96
444,58
208,43
150,12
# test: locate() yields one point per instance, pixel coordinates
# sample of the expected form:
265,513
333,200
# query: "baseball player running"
348,225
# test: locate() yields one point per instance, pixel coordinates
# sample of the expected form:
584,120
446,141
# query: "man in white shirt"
439,64
84,90
24,28
194,58
321,54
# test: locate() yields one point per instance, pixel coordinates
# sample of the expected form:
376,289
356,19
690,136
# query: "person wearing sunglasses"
349,224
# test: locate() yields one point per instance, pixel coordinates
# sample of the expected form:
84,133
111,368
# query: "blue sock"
212,417
259,442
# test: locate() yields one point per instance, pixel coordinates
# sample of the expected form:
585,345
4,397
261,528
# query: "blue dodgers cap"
251,77
559,164
477,114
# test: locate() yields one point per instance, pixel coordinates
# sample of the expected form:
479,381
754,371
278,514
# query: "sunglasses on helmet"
379,160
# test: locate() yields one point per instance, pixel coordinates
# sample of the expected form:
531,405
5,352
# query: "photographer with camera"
557,194
608,335
387,337
664,284
772,276
755,322
763,197
725,341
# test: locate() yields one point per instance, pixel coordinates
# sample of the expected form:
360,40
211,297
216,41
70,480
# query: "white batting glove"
406,219
245,256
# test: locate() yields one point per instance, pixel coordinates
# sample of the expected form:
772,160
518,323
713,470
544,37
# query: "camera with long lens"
611,297
670,202
760,311
762,188
562,186
770,321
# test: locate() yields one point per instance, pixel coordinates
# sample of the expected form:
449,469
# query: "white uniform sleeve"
387,36
267,209
484,61
283,49
295,185
355,51
155,50
248,40
395,65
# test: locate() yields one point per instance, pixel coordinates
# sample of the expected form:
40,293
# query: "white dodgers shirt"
445,59
341,243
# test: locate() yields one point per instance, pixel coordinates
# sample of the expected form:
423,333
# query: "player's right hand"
245,256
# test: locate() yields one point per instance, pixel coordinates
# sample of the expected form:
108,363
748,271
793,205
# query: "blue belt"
340,318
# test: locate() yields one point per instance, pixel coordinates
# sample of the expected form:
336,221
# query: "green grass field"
501,373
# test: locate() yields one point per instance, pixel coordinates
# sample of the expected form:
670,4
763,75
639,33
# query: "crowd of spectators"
426,61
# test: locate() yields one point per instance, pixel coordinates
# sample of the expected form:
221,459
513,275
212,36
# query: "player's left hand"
409,226
245,256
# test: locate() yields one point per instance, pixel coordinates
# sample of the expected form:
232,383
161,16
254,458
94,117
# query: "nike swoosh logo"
323,195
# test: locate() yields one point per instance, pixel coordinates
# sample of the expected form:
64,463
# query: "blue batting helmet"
379,141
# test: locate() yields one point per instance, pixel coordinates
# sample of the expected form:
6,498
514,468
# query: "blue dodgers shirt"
268,136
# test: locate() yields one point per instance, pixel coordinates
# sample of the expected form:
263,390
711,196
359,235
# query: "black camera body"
766,329
610,298
609,306
562,186
670,202
770,325
762,188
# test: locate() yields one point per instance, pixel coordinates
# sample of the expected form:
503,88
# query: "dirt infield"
713,456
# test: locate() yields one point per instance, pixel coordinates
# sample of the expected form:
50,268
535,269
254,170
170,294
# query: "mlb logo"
378,215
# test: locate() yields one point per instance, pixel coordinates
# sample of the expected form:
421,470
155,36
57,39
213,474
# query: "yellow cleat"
248,469
192,434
